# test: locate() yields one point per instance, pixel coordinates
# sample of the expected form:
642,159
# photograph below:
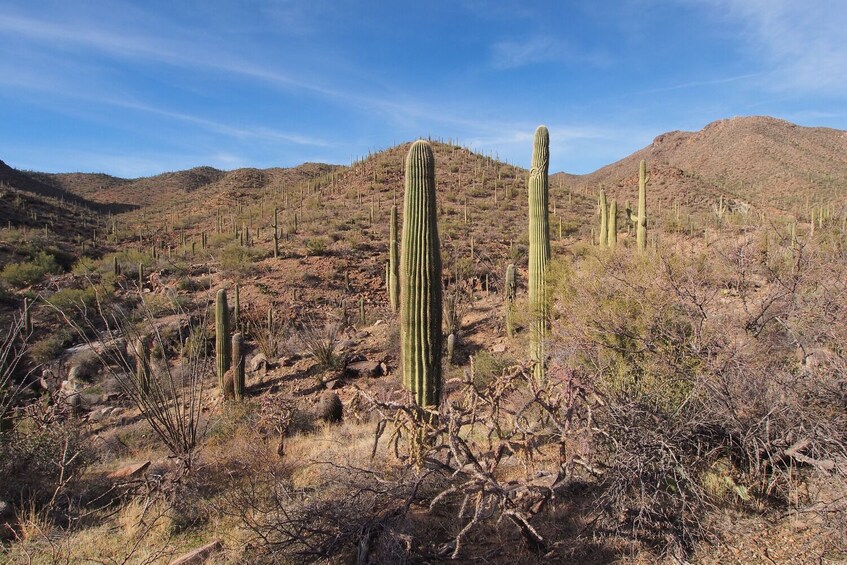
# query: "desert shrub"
239,259
26,273
316,245
488,366
40,462
70,301
50,346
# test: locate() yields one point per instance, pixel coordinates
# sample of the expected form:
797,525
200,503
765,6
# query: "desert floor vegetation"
692,404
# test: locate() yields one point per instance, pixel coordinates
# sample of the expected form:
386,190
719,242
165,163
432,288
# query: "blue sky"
139,88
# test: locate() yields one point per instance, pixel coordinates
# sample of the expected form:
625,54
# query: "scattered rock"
365,369
498,348
199,555
289,360
130,471
258,364
347,344
329,408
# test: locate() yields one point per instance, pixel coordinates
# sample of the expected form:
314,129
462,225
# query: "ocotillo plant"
393,283
222,351
238,365
604,228
539,248
511,293
420,280
612,238
640,220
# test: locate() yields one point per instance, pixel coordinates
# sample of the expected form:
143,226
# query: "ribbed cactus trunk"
612,238
539,248
238,366
511,293
236,311
604,226
420,280
641,220
275,227
222,344
393,282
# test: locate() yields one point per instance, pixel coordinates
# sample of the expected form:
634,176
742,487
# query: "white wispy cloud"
514,53
800,43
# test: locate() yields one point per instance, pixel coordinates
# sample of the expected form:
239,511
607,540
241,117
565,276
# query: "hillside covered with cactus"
431,355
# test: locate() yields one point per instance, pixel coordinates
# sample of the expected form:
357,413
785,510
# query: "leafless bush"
12,350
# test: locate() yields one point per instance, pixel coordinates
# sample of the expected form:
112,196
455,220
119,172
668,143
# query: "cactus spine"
539,247
420,280
511,293
640,220
604,227
222,352
238,365
393,283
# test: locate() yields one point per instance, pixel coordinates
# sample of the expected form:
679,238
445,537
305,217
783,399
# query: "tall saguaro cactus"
420,280
222,351
275,227
539,247
238,366
393,283
612,238
511,293
640,220
604,216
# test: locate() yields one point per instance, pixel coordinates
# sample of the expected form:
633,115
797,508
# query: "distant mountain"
762,161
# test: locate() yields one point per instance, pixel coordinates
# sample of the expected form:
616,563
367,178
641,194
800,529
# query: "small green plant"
315,246
26,273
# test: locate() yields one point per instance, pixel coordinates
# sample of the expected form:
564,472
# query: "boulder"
365,369
258,364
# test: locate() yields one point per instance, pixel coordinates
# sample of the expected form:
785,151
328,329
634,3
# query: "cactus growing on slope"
238,366
393,286
222,352
604,228
511,293
420,280
640,220
539,247
612,238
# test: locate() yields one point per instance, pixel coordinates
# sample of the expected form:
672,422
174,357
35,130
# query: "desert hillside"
210,361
